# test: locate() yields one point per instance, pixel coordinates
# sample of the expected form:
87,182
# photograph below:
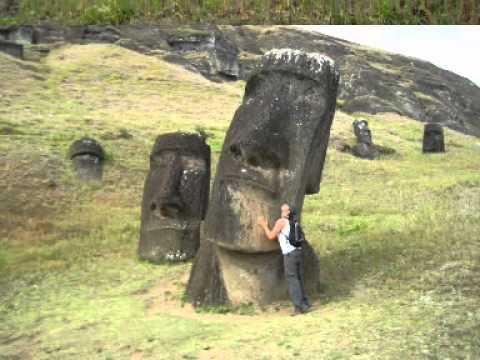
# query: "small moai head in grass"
362,131
175,197
273,153
87,156
364,147
433,139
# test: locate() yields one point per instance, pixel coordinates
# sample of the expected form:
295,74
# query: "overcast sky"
455,48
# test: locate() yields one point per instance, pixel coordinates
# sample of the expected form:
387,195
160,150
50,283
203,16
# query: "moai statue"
364,147
433,140
273,153
175,197
87,156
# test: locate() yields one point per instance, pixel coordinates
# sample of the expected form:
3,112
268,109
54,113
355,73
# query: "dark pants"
294,273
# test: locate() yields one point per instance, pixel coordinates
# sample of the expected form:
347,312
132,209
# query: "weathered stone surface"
363,151
108,34
433,139
375,81
11,48
175,197
273,153
24,34
222,53
87,156
192,41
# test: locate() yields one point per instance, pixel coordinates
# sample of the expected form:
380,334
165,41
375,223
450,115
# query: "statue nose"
168,199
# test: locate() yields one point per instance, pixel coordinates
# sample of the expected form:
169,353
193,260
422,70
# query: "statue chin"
166,244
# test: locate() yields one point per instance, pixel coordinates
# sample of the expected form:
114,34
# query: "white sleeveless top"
283,240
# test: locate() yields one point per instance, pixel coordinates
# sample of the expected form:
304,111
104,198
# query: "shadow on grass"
383,260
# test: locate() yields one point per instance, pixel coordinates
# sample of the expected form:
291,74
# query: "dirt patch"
137,355
166,296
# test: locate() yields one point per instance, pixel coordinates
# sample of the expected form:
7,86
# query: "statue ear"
314,170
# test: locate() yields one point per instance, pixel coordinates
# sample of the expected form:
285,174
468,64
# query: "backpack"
296,237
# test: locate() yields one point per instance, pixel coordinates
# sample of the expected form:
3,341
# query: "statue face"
175,197
433,140
87,156
273,153
88,167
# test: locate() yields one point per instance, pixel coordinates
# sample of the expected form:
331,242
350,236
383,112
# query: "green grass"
385,69
397,237
246,12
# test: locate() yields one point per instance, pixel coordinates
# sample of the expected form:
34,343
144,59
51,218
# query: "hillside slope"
397,237
372,81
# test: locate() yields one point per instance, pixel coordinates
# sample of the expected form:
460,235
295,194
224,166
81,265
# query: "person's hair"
292,216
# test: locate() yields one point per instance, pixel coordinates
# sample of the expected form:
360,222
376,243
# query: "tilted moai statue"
273,153
87,156
364,147
175,197
433,140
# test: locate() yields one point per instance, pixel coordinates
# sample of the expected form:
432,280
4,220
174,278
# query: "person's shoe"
296,312
307,309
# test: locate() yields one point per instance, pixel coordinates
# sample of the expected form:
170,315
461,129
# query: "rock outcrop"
372,80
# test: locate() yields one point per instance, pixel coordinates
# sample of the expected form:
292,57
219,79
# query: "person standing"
292,259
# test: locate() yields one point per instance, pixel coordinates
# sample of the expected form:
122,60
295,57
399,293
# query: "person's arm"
271,234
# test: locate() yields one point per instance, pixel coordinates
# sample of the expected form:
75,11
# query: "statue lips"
166,224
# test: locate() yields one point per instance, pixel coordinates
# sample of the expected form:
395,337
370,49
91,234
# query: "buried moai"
87,156
175,197
433,140
364,147
273,153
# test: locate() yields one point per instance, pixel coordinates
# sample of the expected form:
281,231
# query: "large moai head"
433,140
87,156
175,197
274,149
273,153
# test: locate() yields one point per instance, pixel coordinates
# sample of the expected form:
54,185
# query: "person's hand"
262,222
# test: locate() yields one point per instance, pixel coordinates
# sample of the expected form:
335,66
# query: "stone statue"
273,153
175,197
87,156
433,140
364,147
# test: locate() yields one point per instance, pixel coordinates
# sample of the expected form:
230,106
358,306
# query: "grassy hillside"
397,237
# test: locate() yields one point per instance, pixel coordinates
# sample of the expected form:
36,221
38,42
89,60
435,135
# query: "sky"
455,48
